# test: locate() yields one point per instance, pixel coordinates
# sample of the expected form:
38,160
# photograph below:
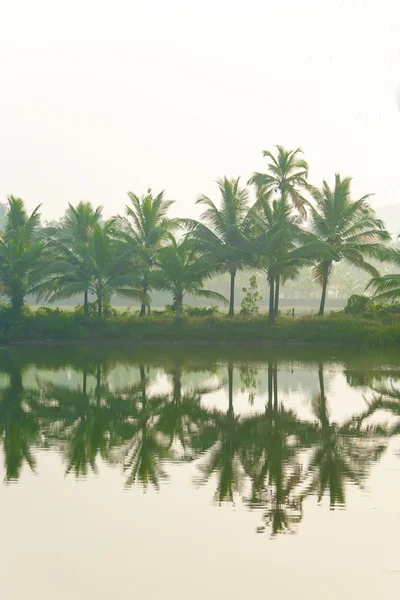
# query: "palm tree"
387,287
286,177
145,228
21,253
349,228
101,265
77,224
182,269
223,232
273,241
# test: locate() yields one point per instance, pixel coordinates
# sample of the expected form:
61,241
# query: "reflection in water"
271,459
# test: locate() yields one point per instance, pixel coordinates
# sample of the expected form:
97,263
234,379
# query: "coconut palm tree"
182,269
387,287
286,177
278,245
222,230
101,265
349,229
76,227
145,229
22,247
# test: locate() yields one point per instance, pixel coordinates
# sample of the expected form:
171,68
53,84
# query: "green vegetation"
291,226
374,328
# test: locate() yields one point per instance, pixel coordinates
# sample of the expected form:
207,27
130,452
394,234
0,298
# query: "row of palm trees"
291,224
143,432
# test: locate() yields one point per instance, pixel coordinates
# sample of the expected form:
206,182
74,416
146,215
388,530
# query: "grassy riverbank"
336,328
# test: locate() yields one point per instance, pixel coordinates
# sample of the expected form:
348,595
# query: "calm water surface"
179,473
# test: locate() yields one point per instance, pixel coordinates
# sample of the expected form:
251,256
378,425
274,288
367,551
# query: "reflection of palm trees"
147,449
387,398
225,455
340,454
272,464
19,424
86,423
281,457
183,419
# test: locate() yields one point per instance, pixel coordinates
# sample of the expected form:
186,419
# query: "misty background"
102,97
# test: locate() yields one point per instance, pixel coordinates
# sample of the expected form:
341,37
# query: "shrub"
249,305
193,311
357,305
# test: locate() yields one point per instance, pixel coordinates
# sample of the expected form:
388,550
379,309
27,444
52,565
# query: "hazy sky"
99,97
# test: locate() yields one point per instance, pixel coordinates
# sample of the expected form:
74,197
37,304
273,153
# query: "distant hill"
390,214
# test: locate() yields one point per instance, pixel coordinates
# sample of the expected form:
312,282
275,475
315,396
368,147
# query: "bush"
193,311
249,305
357,305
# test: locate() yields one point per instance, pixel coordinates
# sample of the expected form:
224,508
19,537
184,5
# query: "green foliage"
144,230
357,305
193,311
373,329
348,229
286,177
222,232
22,247
182,269
131,256
249,305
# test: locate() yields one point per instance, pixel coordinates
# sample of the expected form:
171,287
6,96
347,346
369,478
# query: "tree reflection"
271,460
341,454
84,423
272,463
19,424
224,459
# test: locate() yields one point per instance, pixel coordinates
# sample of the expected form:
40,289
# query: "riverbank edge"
331,330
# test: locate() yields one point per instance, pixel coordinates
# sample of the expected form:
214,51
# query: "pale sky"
99,97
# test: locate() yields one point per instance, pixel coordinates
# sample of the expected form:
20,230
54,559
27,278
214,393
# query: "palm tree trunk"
232,294
177,383
143,384
178,301
323,410
275,387
276,308
323,296
99,307
143,306
271,314
17,302
230,387
98,378
85,304
269,405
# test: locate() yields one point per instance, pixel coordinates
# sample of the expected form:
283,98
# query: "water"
216,473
